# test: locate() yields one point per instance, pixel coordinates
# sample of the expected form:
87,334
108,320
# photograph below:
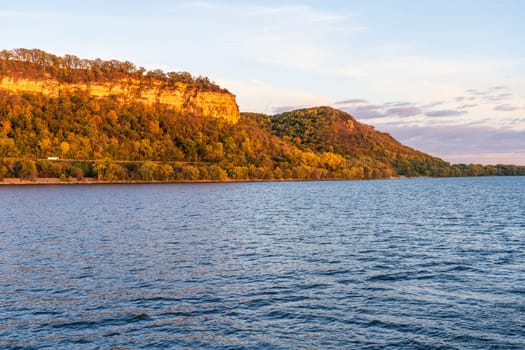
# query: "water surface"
420,263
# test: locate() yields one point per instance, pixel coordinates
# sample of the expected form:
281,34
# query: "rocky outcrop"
181,97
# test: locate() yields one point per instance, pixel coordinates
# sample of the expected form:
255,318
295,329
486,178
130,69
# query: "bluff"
70,118
36,71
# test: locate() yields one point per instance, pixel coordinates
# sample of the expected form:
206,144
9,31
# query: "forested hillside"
112,138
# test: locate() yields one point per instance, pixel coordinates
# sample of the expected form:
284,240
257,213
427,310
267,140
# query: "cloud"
496,98
463,143
505,108
488,158
445,113
314,39
369,107
419,71
475,92
254,92
308,14
351,101
396,104
293,37
499,87
401,110
370,114
494,94
388,109
466,106
433,104
408,111
366,111
282,109
314,47
450,113
489,91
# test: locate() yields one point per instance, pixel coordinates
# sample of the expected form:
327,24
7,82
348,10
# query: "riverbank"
55,181
93,181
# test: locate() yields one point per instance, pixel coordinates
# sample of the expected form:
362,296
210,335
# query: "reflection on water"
425,263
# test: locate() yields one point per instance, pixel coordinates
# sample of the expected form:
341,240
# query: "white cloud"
464,143
486,158
292,13
292,37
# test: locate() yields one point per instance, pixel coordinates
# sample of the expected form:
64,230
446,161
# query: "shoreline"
92,181
50,181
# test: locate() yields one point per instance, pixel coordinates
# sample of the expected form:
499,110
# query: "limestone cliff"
24,70
180,96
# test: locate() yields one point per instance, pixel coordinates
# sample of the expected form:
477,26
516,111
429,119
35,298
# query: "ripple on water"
426,263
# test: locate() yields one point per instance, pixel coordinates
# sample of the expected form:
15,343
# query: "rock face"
181,97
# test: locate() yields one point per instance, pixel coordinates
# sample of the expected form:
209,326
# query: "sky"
446,77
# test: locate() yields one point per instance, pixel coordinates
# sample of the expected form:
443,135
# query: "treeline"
104,138
108,170
39,65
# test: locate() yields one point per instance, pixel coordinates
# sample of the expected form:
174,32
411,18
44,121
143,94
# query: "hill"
325,129
112,121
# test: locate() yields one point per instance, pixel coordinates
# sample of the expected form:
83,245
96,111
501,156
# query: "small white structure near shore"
53,158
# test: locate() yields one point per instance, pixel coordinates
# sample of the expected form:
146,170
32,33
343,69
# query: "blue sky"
445,77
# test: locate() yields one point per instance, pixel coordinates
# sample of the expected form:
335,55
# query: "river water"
415,263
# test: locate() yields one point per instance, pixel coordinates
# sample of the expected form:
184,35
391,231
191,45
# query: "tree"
3,170
105,169
25,169
147,171
64,148
7,147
